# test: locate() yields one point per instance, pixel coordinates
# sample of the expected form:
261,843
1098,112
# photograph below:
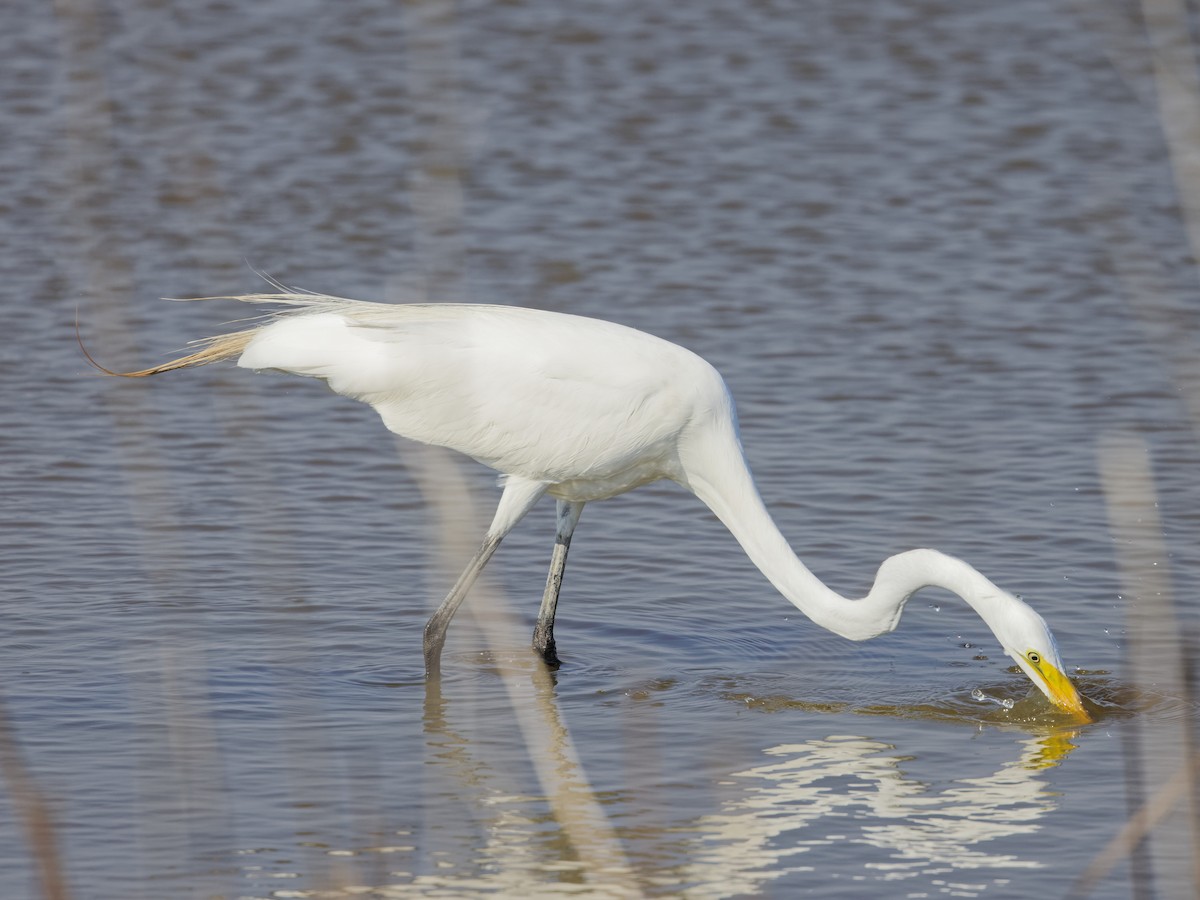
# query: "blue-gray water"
938,251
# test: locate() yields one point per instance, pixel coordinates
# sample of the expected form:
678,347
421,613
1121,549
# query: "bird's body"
583,409
514,388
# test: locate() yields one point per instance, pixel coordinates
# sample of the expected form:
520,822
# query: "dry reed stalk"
34,811
1162,755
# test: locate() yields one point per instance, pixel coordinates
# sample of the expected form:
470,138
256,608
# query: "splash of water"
982,697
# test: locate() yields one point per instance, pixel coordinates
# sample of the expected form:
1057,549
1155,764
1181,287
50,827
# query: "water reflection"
814,792
561,839
851,791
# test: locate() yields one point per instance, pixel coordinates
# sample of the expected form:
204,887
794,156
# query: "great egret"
583,409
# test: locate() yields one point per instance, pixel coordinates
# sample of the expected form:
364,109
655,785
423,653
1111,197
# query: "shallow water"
937,251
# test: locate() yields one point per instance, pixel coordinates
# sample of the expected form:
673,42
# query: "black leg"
435,628
543,632
519,496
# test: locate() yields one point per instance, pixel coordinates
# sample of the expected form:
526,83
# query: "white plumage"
583,409
515,389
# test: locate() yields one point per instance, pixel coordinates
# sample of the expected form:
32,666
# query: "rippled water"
938,252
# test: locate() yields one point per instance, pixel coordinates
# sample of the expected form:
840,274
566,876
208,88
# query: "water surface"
935,248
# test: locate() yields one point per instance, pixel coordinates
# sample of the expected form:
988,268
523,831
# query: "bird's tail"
212,349
231,346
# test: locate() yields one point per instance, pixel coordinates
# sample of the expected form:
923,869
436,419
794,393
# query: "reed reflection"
556,841
484,832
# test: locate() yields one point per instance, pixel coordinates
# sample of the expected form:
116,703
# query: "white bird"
583,409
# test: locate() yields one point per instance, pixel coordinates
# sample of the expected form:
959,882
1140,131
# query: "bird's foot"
546,650
433,665
433,640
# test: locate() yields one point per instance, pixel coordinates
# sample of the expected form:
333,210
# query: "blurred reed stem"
33,810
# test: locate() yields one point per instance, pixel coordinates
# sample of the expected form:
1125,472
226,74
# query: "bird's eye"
1033,657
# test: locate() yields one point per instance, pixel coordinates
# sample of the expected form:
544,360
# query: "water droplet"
982,697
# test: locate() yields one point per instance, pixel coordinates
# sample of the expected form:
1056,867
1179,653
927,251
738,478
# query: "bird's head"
1028,640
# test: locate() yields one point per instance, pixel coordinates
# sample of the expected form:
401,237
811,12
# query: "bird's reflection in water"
808,795
763,832
574,847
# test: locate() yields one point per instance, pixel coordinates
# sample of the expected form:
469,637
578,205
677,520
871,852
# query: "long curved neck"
723,481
